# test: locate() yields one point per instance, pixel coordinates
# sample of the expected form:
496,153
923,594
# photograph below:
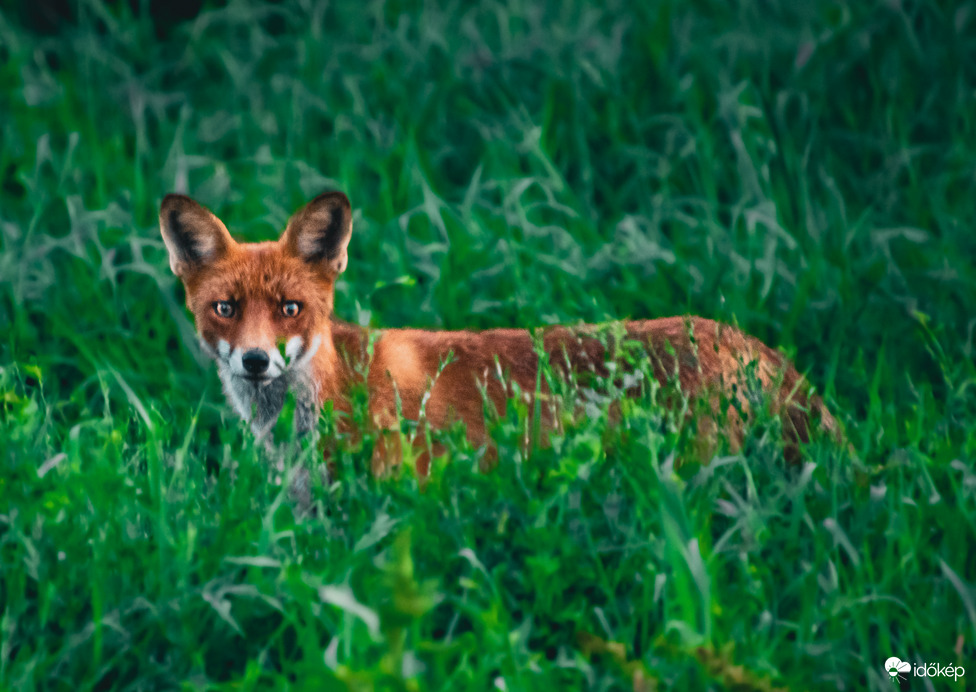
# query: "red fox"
251,299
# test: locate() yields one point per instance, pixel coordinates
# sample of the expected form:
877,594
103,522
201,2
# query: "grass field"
804,170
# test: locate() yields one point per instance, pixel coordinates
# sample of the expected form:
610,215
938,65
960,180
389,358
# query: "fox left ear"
319,232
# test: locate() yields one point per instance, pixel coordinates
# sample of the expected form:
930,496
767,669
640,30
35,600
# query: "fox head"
251,300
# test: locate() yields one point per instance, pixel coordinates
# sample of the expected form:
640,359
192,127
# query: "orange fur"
705,359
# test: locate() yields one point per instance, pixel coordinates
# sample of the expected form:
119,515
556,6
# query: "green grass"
804,170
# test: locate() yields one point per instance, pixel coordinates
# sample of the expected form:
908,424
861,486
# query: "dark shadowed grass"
802,170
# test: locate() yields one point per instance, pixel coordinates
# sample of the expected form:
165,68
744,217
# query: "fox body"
264,312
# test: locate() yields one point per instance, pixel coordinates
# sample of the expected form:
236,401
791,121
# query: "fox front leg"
306,415
306,401
269,401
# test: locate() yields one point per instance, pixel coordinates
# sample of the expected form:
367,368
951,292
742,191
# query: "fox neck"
338,364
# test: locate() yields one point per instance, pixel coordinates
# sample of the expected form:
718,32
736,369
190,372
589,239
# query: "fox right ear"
194,237
319,232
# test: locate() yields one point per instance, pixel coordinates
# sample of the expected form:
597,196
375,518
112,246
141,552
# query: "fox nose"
255,361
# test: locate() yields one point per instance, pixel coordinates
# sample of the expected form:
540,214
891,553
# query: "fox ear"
319,232
194,237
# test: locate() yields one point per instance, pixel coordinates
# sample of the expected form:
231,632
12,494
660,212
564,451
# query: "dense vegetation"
804,170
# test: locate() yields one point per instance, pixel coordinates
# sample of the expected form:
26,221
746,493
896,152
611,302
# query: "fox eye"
224,308
291,308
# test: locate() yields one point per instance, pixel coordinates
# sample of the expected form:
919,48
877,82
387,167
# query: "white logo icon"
895,667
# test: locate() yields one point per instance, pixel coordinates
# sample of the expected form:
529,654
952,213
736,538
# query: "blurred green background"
802,169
